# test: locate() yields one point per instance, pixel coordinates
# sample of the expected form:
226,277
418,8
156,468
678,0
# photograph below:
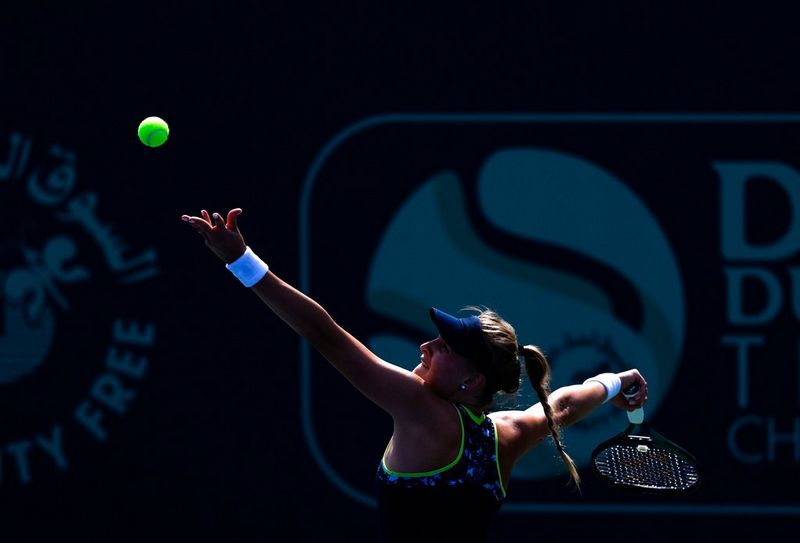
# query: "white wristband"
609,380
248,268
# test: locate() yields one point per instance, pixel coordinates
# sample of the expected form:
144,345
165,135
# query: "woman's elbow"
571,405
561,402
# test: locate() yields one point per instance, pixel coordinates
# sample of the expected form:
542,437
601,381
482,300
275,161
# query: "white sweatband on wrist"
611,381
248,268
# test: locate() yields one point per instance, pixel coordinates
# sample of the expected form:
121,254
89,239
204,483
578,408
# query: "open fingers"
232,214
198,223
219,222
207,223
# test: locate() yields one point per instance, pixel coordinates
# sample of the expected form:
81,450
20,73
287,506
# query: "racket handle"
637,415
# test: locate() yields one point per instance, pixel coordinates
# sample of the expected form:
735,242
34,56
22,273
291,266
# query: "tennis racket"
641,460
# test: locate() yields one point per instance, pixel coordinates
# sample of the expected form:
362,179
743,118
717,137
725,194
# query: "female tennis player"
446,469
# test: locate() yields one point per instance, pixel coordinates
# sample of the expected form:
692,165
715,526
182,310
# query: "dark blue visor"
465,337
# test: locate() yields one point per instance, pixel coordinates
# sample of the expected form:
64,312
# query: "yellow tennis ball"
153,131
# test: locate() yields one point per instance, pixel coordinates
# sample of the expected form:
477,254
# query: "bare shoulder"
519,431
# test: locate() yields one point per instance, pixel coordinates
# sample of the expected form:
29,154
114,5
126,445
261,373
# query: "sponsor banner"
77,318
663,242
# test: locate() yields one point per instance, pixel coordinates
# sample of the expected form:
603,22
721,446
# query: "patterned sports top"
463,495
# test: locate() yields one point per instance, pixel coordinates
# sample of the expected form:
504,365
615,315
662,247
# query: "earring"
462,387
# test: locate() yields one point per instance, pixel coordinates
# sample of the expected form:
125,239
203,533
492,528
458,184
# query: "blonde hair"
502,341
538,371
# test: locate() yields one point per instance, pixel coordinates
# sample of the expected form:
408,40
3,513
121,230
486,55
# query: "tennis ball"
153,131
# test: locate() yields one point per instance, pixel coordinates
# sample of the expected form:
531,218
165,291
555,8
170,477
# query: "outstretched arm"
392,388
575,402
569,405
299,311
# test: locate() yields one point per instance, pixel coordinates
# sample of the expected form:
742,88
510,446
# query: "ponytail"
539,374
502,341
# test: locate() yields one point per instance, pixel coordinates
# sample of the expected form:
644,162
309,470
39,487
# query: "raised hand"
222,237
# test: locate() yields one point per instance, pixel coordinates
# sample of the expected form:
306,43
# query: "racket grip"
637,415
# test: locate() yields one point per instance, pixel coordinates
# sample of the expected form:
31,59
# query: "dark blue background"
213,443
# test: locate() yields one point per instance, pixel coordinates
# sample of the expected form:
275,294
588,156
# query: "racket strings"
646,467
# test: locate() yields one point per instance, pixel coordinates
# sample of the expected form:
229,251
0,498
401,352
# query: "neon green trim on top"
476,419
497,459
433,472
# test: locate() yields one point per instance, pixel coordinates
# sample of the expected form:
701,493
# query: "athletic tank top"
459,500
